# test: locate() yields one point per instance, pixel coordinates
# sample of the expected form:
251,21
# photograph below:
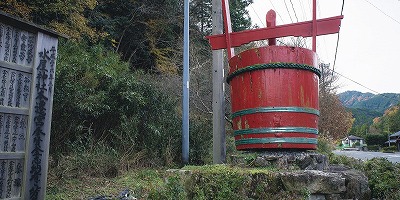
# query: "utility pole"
185,88
219,147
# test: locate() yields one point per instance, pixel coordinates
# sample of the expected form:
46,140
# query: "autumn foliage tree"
388,123
335,121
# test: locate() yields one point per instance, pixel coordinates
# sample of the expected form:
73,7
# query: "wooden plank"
6,42
27,72
23,49
303,29
15,87
14,198
16,67
13,130
39,126
12,110
16,47
12,155
10,178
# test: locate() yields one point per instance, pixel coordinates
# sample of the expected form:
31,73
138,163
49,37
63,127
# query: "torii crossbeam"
304,29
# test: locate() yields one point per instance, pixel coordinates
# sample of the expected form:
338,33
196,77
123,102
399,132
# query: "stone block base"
303,160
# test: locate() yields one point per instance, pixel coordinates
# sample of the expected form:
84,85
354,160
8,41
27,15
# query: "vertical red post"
228,28
314,26
271,22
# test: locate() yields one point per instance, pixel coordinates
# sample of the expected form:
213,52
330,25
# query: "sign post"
28,56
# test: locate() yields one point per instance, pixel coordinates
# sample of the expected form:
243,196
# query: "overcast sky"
369,45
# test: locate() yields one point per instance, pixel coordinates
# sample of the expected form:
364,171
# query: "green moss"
215,182
225,182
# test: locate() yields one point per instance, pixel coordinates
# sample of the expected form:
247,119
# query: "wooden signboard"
27,70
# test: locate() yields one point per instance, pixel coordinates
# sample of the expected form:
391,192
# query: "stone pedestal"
309,172
303,160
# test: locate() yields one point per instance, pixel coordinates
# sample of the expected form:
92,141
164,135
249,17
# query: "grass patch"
203,182
141,183
190,182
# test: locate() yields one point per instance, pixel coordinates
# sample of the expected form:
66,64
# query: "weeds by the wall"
383,176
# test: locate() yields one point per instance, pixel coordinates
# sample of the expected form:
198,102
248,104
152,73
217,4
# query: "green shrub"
344,160
375,139
200,151
95,160
356,144
389,149
172,189
99,100
325,145
383,178
373,147
216,182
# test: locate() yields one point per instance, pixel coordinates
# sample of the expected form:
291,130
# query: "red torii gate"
304,29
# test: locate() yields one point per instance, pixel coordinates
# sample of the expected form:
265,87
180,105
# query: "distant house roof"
395,134
352,137
390,141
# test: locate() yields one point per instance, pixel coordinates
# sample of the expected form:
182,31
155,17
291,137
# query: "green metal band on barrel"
276,130
273,66
276,140
275,109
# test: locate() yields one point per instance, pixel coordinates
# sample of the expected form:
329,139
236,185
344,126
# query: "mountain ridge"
369,101
367,106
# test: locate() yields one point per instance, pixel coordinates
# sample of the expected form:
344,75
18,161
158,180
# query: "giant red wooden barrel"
274,95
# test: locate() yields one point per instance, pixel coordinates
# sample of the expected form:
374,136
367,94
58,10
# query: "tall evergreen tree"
144,32
201,15
240,17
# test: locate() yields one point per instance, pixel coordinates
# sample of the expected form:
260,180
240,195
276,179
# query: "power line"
337,42
374,91
277,11
257,15
294,11
287,9
259,18
341,12
382,12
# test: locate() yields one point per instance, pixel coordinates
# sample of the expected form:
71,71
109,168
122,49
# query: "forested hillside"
363,116
377,131
369,101
117,101
373,114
